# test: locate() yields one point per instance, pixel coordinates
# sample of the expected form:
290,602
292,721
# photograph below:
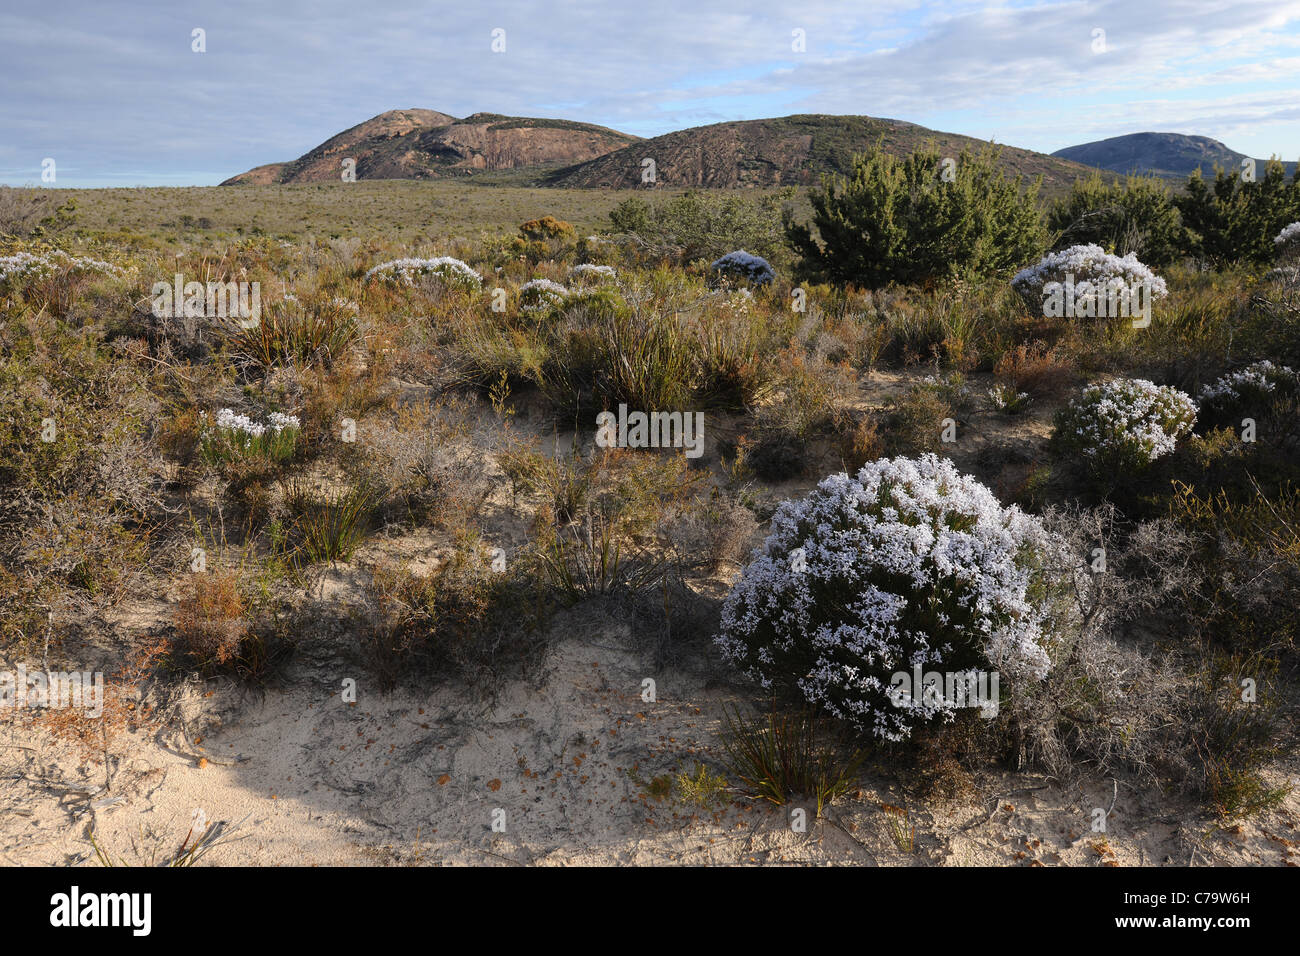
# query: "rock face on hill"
425,144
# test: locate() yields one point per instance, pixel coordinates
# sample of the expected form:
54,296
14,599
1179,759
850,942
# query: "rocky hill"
425,144
787,151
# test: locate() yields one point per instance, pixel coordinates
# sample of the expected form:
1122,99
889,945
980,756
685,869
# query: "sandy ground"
562,760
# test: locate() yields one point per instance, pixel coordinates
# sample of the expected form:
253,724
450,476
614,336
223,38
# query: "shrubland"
906,462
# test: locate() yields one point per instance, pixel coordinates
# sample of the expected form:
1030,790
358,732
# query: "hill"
787,151
1170,155
425,144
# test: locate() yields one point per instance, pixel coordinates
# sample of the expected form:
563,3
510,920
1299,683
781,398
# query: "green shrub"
1232,220
706,224
1135,215
547,227
899,221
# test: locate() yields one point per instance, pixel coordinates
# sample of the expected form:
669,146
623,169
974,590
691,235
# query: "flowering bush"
24,267
1252,388
406,271
1288,248
742,265
1006,399
538,295
1095,271
1125,424
234,436
589,271
910,564
1288,237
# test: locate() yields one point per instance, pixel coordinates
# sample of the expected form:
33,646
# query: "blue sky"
113,93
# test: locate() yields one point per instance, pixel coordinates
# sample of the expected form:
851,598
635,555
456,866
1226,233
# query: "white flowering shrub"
539,295
232,436
743,265
405,271
1288,250
1095,273
590,272
950,387
23,268
1007,400
1123,425
1288,237
1250,389
908,564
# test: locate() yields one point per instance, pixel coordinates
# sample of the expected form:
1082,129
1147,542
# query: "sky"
114,93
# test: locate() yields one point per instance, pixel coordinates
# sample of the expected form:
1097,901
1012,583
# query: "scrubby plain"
363,573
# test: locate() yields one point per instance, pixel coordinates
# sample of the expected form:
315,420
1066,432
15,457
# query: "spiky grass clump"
288,334
784,758
328,526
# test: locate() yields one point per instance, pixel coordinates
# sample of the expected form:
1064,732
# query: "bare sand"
415,778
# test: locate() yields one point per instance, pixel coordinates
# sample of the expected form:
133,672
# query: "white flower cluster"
910,563
1088,263
1005,398
951,387
741,263
593,270
1289,234
735,301
1253,381
1127,419
227,419
444,267
537,295
23,267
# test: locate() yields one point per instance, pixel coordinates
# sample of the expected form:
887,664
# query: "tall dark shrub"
919,218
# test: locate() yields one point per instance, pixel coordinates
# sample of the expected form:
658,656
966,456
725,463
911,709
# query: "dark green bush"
900,220
1137,214
1234,220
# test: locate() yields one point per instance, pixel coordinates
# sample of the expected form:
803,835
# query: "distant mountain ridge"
783,151
1169,155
